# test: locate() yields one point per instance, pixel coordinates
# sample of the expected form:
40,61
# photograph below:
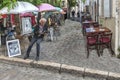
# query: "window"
107,8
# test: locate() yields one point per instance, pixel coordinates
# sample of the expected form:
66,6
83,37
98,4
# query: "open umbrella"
20,7
46,7
58,9
47,14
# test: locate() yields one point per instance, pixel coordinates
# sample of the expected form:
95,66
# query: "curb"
61,68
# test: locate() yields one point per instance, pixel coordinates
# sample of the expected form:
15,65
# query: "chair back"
85,25
106,37
92,39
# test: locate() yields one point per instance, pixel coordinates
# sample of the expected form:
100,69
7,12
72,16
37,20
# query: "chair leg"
87,51
83,31
98,50
101,50
112,52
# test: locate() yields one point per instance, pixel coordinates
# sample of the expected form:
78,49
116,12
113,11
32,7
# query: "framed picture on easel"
13,48
26,25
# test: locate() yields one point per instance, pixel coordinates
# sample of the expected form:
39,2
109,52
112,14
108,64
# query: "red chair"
92,43
105,42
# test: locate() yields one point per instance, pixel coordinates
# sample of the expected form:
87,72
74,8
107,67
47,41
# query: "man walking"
73,14
37,38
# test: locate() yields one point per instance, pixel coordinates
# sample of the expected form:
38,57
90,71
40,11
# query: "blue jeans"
37,40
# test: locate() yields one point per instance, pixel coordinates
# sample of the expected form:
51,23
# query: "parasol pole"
20,22
38,17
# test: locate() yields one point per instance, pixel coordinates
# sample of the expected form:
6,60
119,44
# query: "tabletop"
97,30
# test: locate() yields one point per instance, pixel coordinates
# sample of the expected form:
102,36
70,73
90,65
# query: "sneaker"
26,56
37,58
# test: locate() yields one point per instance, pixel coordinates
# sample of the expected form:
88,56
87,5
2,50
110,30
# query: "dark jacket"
36,32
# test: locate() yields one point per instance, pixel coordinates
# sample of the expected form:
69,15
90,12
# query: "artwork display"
13,48
26,25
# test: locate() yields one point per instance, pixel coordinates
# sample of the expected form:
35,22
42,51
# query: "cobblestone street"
69,48
59,40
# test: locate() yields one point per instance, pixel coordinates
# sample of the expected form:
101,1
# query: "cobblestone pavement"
69,48
11,72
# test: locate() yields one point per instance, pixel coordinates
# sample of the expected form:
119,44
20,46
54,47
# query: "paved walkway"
11,72
70,49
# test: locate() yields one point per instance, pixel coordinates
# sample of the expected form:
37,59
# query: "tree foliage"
53,2
72,3
35,2
84,1
7,3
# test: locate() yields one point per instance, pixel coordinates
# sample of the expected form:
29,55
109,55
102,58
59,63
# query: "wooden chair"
92,40
105,42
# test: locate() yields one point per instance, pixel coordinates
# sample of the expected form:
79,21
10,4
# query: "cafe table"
97,30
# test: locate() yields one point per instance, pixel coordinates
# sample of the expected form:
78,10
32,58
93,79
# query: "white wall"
117,27
114,8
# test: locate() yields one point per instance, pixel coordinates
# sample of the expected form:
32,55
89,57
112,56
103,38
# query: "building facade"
107,13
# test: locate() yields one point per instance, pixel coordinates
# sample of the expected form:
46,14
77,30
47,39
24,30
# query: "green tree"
84,1
71,3
53,2
7,3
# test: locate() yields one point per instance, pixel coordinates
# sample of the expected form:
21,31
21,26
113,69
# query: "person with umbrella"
37,38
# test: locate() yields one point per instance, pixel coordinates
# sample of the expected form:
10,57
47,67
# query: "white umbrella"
20,7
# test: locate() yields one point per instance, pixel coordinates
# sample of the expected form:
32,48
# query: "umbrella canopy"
47,14
58,9
20,7
46,7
